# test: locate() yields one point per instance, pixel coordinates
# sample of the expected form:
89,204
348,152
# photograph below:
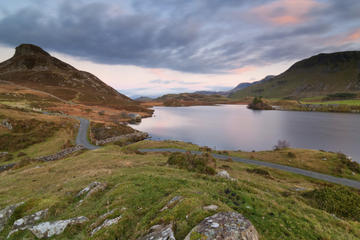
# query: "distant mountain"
247,84
144,99
235,89
315,76
34,68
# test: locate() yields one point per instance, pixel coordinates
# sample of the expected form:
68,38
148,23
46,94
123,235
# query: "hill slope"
318,75
33,67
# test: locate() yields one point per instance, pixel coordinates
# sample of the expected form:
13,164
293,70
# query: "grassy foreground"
139,185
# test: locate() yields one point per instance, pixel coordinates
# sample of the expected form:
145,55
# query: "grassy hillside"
280,205
316,76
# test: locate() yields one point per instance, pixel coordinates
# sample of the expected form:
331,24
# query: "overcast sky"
152,47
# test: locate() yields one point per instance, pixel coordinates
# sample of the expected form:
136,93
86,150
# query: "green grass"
353,102
140,185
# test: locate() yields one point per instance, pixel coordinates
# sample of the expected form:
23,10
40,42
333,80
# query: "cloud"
165,82
285,12
203,36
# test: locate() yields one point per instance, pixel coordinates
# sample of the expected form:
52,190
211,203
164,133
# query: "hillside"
316,76
34,68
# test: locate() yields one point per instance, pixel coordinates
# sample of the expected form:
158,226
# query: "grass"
353,102
140,185
163,144
314,160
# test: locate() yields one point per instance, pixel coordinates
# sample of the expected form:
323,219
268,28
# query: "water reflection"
235,127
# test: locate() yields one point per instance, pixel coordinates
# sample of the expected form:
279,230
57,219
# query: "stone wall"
61,154
137,136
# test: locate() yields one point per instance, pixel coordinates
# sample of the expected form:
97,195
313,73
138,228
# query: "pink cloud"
243,69
285,12
353,37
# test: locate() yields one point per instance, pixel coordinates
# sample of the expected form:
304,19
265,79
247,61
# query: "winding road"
82,138
316,175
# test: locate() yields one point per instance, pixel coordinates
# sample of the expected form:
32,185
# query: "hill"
316,76
34,68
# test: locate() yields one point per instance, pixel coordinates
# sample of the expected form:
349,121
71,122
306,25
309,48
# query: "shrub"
203,163
340,96
291,155
346,162
340,201
259,171
282,144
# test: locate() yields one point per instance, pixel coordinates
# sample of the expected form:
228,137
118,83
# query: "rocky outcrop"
160,232
6,167
175,200
49,229
91,189
6,213
61,154
6,124
106,223
131,137
28,221
225,226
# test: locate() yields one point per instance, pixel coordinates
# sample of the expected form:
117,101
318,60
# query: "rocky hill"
34,68
316,76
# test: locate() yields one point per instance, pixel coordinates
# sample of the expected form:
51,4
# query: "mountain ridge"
33,67
314,76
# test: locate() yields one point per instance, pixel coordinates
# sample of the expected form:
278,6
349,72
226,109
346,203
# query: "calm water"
235,127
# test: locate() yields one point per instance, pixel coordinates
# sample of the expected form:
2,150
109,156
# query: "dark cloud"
203,36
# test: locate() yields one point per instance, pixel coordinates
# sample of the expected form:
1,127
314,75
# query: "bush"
203,163
259,171
291,155
282,144
346,162
340,96
340,201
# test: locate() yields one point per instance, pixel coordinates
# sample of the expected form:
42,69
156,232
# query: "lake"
234,127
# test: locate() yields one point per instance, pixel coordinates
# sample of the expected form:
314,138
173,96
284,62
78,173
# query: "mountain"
247,84
235,89
315,76
34,68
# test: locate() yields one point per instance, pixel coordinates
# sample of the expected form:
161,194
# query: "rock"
172,203
324,159
135,117
223,174
28,221
2,154
225,226
106,223
5,123
91,189
102,217
49,229
160,232
6,213
210,208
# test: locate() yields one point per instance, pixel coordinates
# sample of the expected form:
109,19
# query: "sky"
153,47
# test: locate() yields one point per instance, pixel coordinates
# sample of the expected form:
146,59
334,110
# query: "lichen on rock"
225,226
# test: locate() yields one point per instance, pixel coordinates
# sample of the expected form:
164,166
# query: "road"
82,138
316,175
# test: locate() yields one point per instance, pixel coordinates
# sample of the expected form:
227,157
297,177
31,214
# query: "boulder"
6,124
6,213
49,229
106,223
160,232
223,174
135,117
172,203
224,226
